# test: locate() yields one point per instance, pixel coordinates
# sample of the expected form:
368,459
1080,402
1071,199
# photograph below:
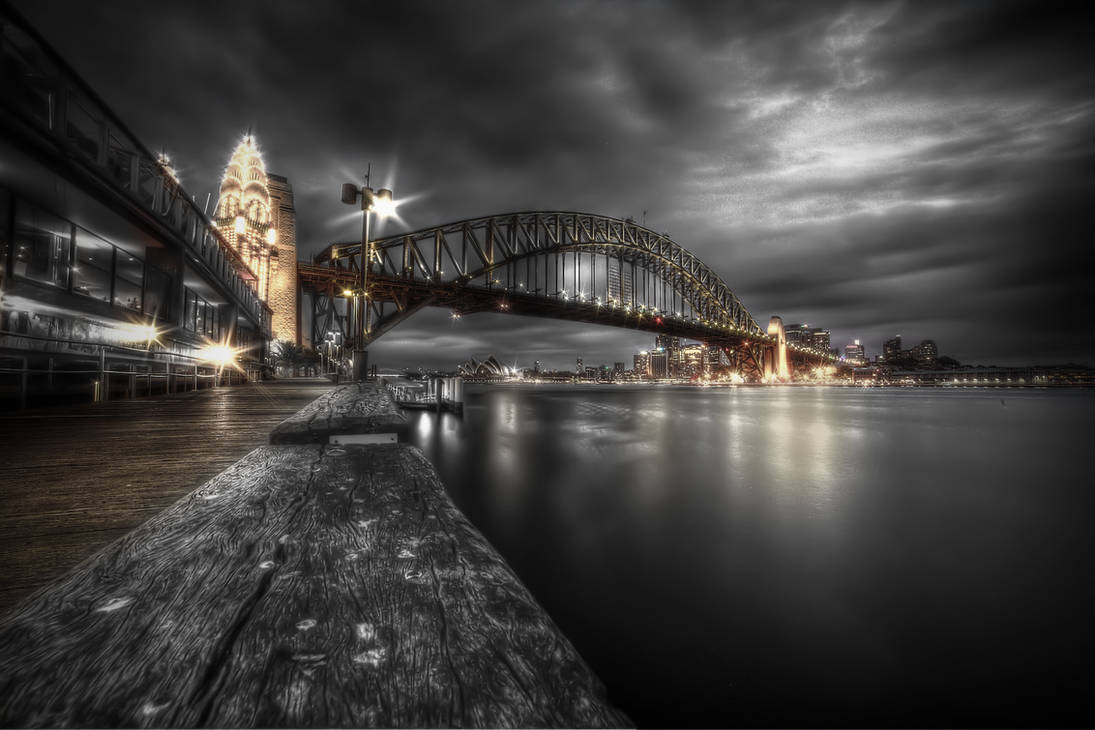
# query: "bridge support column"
779,350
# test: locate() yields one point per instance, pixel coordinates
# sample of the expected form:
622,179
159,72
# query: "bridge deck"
75,479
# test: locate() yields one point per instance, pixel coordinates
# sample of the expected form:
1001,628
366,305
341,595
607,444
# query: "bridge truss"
573,266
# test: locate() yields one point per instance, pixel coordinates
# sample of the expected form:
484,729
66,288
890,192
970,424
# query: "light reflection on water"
783,556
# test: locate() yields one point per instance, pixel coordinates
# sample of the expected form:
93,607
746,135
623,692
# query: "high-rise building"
820,339
672,347
578,366
891,349
659,363
798,334
855,354
926,353
255,215
642,364
618,368
283,287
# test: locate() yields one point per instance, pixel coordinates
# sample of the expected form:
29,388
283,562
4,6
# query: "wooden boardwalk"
73,480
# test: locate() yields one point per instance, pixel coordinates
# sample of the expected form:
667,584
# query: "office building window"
157,293
42,242
128,280
201,316
94,270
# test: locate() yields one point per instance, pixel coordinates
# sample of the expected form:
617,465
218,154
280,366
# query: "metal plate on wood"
363,438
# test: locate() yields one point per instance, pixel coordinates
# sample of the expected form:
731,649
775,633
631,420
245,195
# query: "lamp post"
381,203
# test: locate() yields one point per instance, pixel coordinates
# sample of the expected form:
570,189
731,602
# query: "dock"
309,584
76,478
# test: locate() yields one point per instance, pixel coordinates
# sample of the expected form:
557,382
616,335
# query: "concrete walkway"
72,480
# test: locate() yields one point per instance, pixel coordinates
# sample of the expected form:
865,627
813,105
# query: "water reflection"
782,556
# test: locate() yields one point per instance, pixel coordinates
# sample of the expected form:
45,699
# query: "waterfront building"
618,368
111,277
855,354
578,366
672,348
642,364
659,363
891,349
820,339
798,334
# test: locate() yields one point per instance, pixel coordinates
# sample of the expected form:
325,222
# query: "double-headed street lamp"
381,203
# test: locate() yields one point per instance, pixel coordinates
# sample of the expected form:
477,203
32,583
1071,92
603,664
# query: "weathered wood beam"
306,586
356,408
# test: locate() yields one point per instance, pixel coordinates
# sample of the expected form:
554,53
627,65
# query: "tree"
288,354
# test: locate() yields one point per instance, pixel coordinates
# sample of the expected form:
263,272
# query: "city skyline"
827,161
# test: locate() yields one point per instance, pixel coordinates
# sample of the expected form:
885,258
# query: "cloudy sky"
923,169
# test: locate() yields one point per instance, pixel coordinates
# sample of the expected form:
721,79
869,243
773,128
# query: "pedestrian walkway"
74,479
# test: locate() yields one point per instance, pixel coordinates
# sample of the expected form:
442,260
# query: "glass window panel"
94,262
120,158
157,293
211,320
41,243
5,211
127,280
83,128
201,317
191,312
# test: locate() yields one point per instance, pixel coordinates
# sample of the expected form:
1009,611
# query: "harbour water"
797,556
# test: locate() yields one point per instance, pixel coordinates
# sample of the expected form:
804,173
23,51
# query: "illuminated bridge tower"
256,215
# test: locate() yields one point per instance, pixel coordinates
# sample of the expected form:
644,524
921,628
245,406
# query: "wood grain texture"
354,408
306,586
73,479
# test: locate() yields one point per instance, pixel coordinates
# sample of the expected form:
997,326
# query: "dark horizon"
923,170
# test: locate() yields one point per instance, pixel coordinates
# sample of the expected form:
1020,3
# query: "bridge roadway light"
381,203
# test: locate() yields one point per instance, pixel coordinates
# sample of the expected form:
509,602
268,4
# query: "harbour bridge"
564,265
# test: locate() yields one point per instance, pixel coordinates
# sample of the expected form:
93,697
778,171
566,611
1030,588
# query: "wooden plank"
73,479
356,408
306,586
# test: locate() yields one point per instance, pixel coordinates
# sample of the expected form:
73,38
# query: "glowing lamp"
383,204
347,293
271,236
241,224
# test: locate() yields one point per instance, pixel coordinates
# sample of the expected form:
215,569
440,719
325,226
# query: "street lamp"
381,203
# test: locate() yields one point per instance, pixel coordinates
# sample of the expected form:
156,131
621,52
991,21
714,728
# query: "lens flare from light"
220,354
134,333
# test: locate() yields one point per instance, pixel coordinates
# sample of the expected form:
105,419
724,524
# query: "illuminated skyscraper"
256,216
855,354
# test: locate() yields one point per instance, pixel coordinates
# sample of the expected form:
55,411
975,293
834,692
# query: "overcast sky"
923,169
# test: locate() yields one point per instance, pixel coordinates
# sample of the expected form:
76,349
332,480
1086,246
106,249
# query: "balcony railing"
43,91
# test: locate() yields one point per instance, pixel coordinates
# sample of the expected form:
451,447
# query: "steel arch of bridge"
534,263
479,247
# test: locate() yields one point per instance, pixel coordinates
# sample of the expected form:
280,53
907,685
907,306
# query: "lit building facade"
855,354
891,349
255,215
113,282
642,364
659,363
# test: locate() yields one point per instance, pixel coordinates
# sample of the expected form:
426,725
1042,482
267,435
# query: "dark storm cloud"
923,168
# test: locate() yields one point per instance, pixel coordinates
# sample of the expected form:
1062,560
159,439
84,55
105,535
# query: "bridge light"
241,224
347,293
